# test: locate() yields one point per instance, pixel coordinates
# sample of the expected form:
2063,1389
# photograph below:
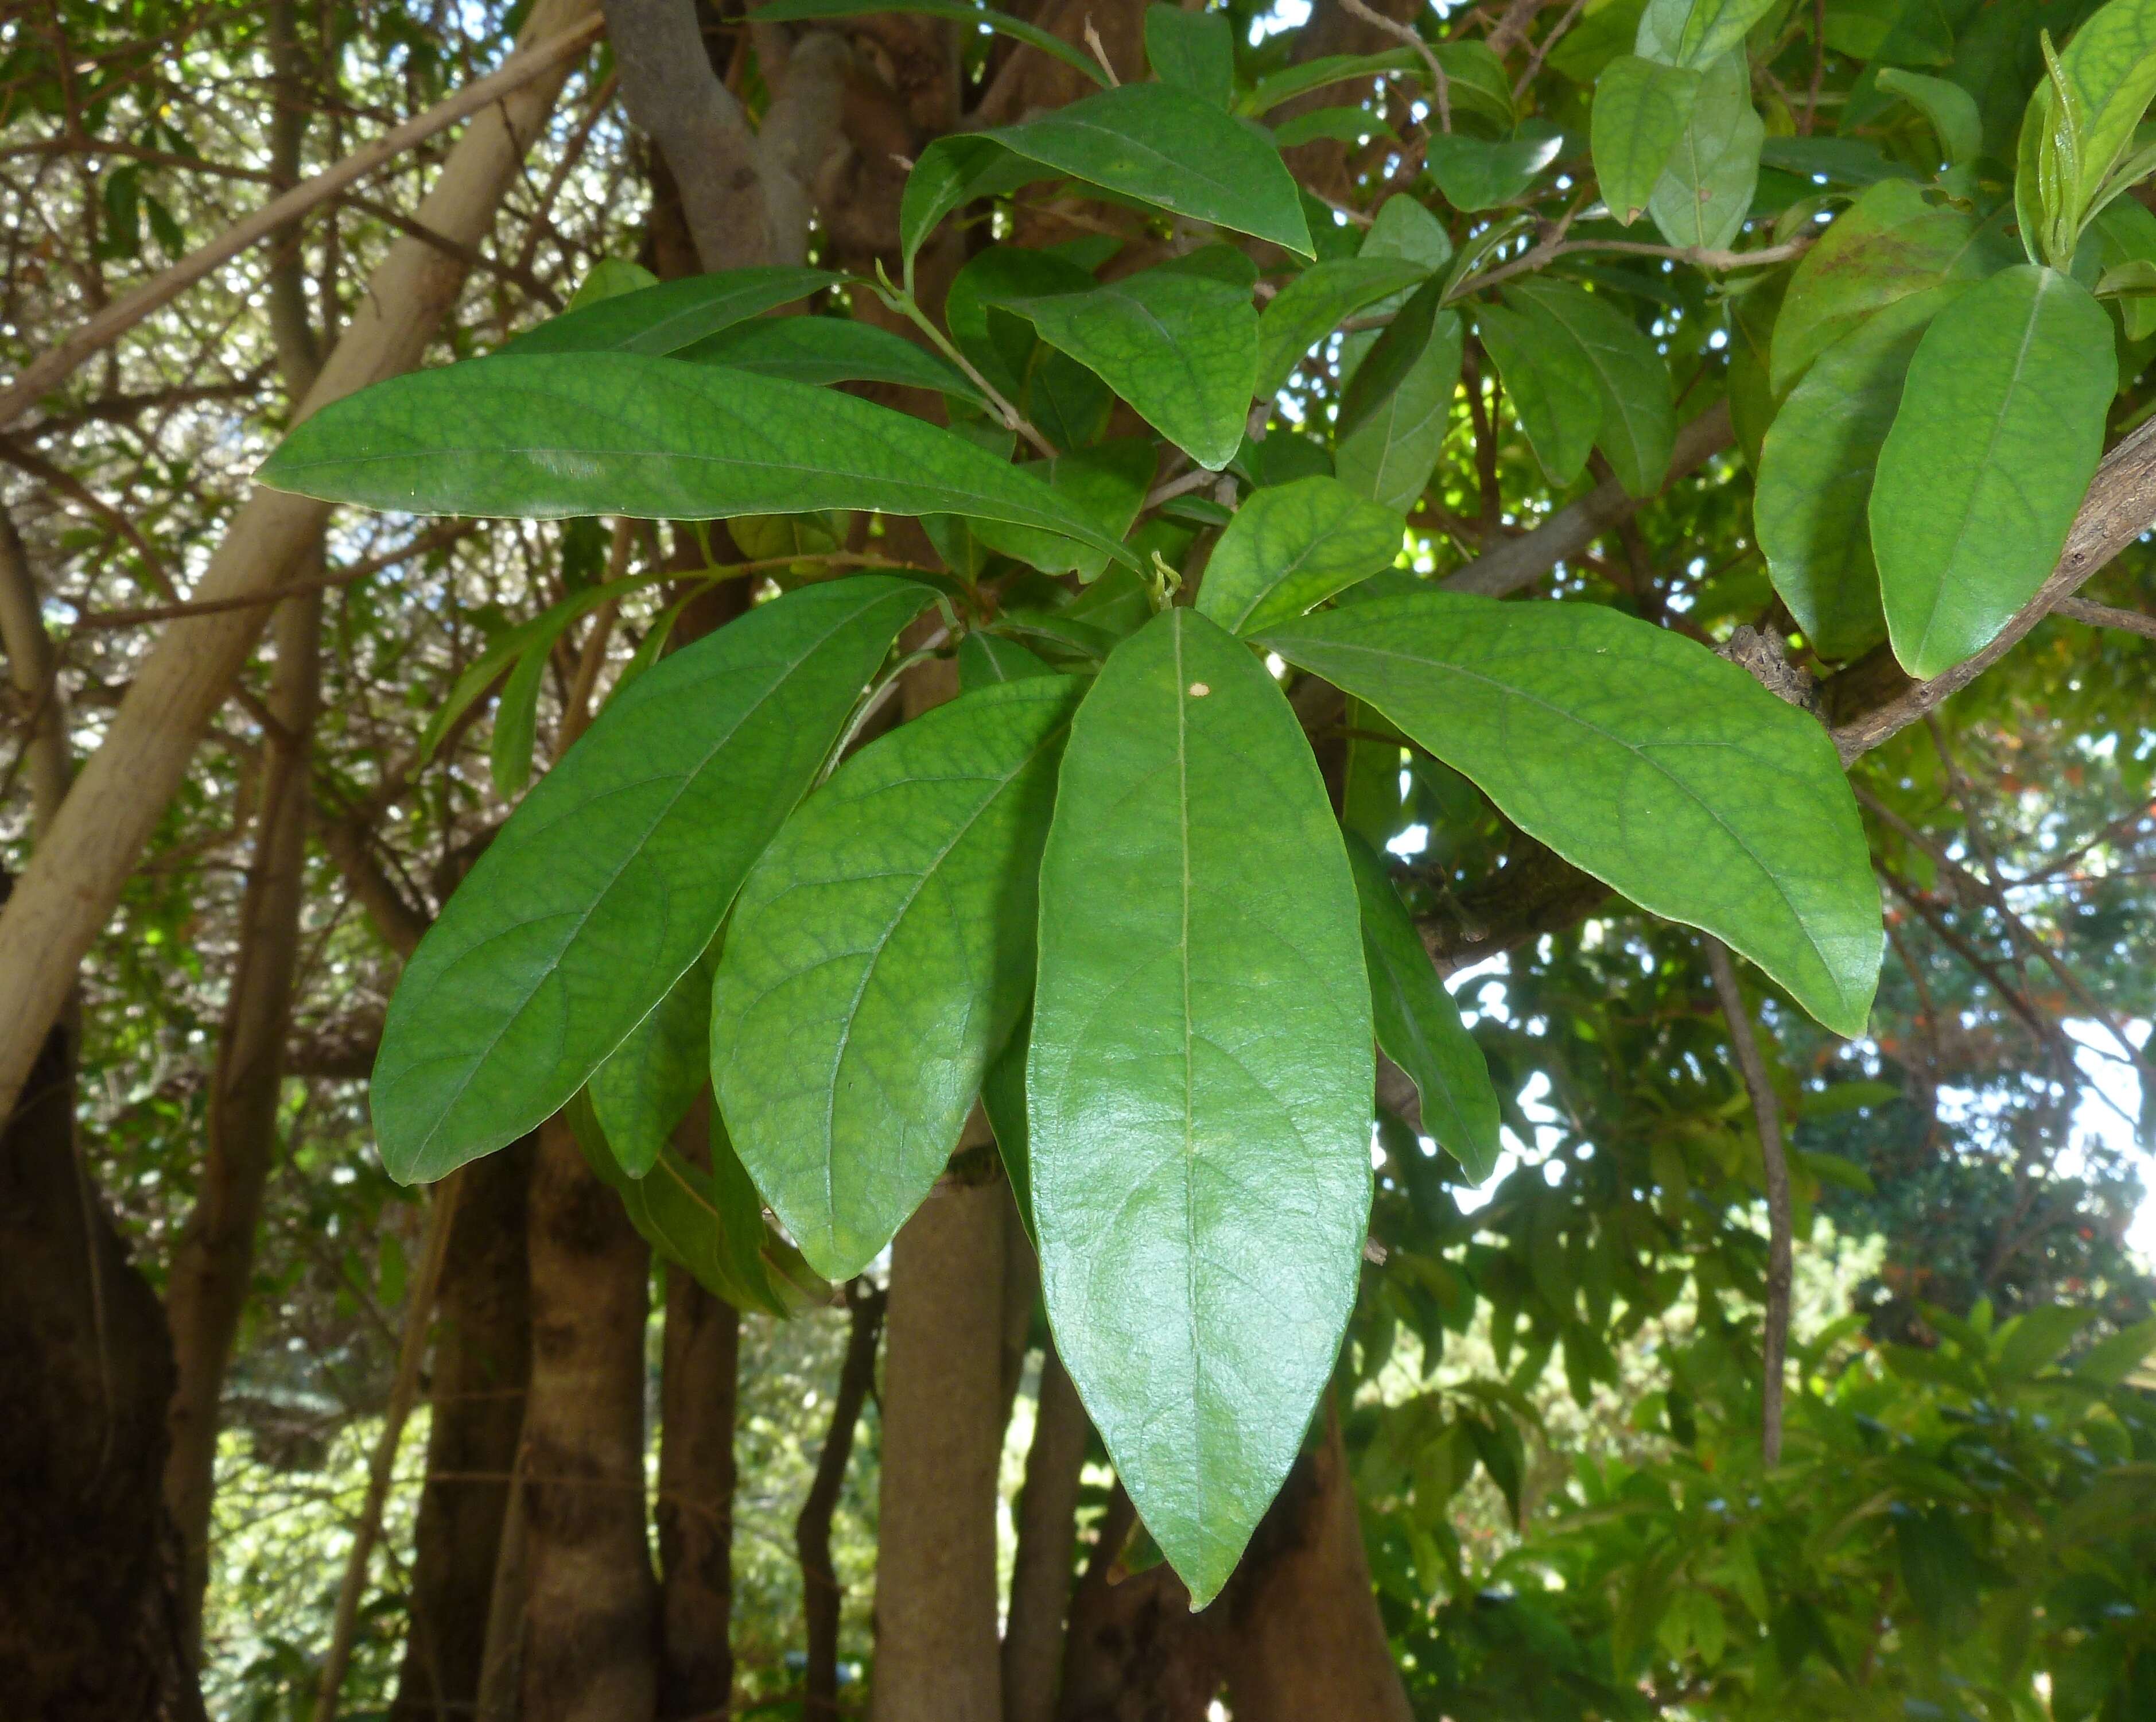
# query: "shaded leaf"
1641,108
1192,50
1638,430
1318,302
1289,548
823,350
1553,389
665,318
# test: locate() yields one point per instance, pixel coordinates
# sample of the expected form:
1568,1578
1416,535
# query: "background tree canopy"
1099,861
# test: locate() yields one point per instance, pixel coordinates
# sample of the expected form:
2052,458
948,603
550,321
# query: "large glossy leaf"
1418,1025
1816,477
647,1083
1891,243
821,350
1293,547
1551,385
1641,108
610,879
880,956
1639,421
611,433
1641,757
673,315
1706,188
1318,302
1198,1084
1179,342
1999,431
1192,50
1151,143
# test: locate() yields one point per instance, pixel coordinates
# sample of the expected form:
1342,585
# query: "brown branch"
109,324
1766,1110
2106,616
821,1596
29,461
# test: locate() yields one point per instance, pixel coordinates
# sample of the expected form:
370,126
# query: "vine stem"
902,302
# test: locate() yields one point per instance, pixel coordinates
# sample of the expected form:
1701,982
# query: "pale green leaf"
611,878
608,279
1641,108
1999,431
1289,548
2110,68
1638,430
1418,1025
1198,1084
1951,110
1389,455
880,956
614,433
1696,33
1641,757
1706,189
1192,50
1476,173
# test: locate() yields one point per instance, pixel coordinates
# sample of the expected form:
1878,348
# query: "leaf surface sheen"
2000,431
610,880
1292,546
1198,1084
609,433
1641,757
879,957
1418,1025
663,319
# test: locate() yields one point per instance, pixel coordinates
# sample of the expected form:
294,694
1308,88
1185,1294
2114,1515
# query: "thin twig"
2107,615
1542,48
1774,1345
1414,39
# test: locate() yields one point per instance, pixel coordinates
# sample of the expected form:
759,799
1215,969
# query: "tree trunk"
90,1609
79,867
1302,1634
699,1389
1134,1653
821,1599
482,1361
591,1620
1047,1538
936,1604
214,1261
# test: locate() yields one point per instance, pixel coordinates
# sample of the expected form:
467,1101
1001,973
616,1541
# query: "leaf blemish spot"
1198,690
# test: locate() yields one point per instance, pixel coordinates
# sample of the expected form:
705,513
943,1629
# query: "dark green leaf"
649,1082
1419,1025
1106,485
1003,1099
613,433
1641,108
985,660
1475,173
1906,33
1198,1084
880,956
1998,433
823,350
516,722
1390,455
1292,547
1347,125
1318,302
1192,50
1951,110
1814,487
1639,756
1552,387
1639,421
610,879
666,318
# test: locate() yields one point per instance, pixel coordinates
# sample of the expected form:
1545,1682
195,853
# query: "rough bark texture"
699,1386
821,1597
590,1638
1134,1653
1047,1539
482,1360
935,1605
31,674
90,1610
79,867
212,1262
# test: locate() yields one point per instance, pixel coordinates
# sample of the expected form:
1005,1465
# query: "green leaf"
1696,33
1706,191
985,660
823,350
1392,448
1003,1099
1151,143
649,1082
1999,431
1907,33
1475,173
1480,83
1318,301
2110,70
1639,421
1641,757
610,278
1194,51
2035,1340
1815,487
1198,1084
1552,387
1641,108
1106,485
1289,548
2126,234
2118,1355
880,956
1950,109
611,878
666,318
1065,400
516,722
613,432
980,18
1347,125
1891,243
1418,1025
1178,343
